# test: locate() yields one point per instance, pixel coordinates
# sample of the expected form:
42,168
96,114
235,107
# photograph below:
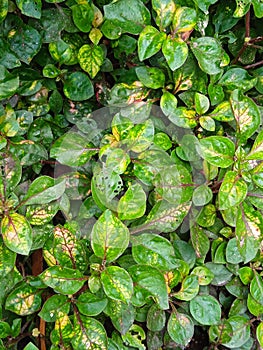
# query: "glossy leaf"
62,331
184,19
121,19
63,279
7,260
109,237
165,12
53,308
151,77
241,331
17,233
189,288
25,43
237,78
153,250
256,151
256,288
149,281
149,42
78,87
30,8
233,190
183,117
23,300
89,333
202,195
155,318
117,283
72,149
90,304
180,328
246,114
205,276
90,59
83,15
208,53
3,10
132,204
121,314
44,190
8,83
175,52
205,309
218,150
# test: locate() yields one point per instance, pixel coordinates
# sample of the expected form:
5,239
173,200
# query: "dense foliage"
131,188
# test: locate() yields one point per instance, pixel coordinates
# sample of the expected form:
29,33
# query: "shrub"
131,185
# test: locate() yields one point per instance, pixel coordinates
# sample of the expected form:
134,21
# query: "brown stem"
254,65
247,38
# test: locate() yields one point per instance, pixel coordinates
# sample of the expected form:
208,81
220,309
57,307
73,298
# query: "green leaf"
223,112
245,274
237,78
180,328
117,283
83,15
23,300
183,117
249,226
204,4
61,51
189,288
30,346
17,233
221,332
3,10
241,331
205,309
258,9
53,308
109,237
63,279
154,250
155,318
207,123
175,51
90,59
168,103
78,87
149,281
256,151
232,253
132,204
149,42
174,184
184,20
165,10
205,276
71,254
62,331
5,329
41,214
202,195
8,83
259,333
164,217
256,288
121,314
232,191
11,172
89,334
140,137
25,42
218,150
246,114
242,7
208,53
30,8
253,306
120,18
90,304
201,103
72,149
151,77
44,190
7,260
199,240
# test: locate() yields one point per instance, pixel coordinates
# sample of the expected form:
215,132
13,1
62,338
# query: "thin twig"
254,65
